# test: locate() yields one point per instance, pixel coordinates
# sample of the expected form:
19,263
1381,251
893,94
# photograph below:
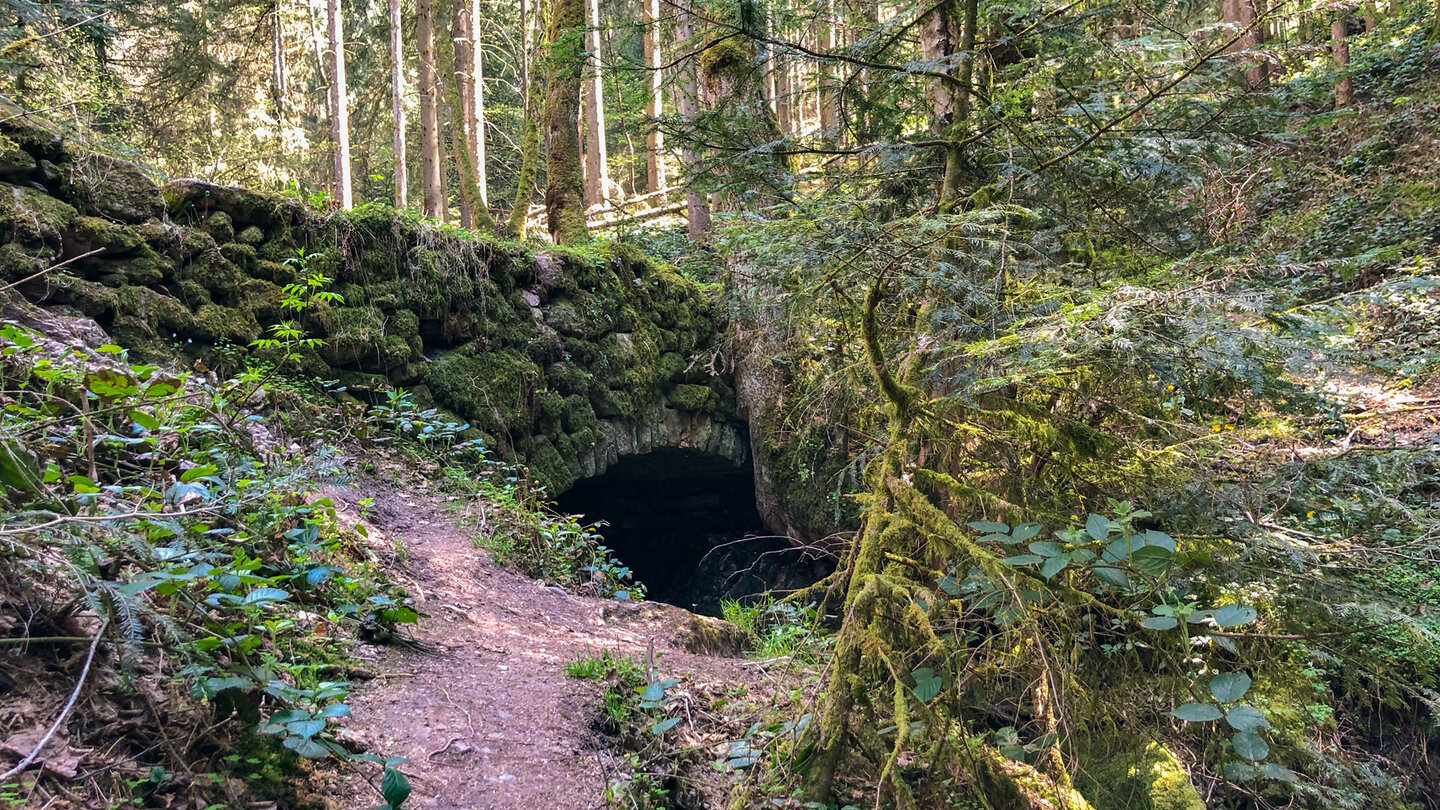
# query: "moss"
220,227
214,322
32,217
405,323
251,236
16,264
352,334
494,390
1135,775
689,397
166,316
241,255
89,297
86,234
148,268
114,189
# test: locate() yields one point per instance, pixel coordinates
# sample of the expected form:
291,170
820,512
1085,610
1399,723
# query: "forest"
508,404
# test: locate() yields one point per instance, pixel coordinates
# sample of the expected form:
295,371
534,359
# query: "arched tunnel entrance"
686,524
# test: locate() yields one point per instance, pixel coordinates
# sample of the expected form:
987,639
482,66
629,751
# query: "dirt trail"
491,721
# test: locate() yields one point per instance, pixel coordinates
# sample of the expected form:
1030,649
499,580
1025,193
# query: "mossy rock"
114,189
88,297
689,397
670,366
493,389
195,199
166,317
86,234
352,334
16,264
214,323
1141,776
240,255
252,236
33,218
16,165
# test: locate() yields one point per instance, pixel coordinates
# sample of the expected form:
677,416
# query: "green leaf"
1240,771
1152,560
108,383
1160,623
335,710
1246,718
1053,566
927,684
1112,576
305,728
1161,539
394,787
198,471
145,420
949,585
989,527
264,596
1279,772
1229,687
1023,559
1197,713
1097,526
1025,531
655,690
1250,745
664,726
1233,615
306,747
1045,548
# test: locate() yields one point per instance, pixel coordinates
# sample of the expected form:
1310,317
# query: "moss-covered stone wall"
563,359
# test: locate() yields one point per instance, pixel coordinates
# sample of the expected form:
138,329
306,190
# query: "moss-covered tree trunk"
530,137
434,205
564,180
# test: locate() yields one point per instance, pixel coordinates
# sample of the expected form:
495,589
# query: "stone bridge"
564,360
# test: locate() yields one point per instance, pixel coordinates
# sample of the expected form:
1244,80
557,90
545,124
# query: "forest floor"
485,714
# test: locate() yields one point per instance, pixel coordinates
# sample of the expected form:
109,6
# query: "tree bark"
277,67
1257,74
530,137
1340,53
434,205
597,163
825,73
477,125
397,104
697,210
655,105
339,105
564,183
464,113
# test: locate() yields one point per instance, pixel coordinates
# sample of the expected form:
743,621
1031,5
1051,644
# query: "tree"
1340,54
1258,73
655,104
597,160
397,106
697,210
429,111
464,109
339,105
530,136
564,179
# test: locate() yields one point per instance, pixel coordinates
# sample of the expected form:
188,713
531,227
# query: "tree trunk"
1258,73
597,168
1340,53
277,68
655,106
339,105
397,104
477,125
697,210
784,86
829,91
530,137
464,113
564,182
429,111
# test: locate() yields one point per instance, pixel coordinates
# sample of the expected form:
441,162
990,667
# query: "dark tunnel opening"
686,524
